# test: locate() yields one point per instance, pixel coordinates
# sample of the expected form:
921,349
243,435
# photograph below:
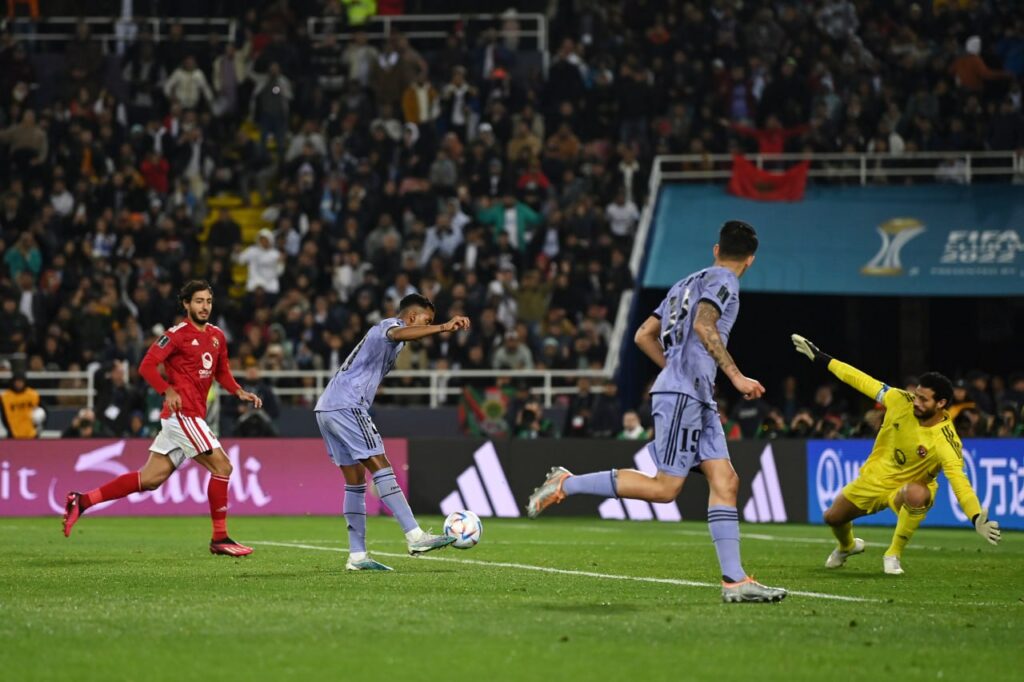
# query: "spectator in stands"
510,217
606,414
531,423
622,216
16,325
224,235
264,262
254,382
19,402
1008,422
83,58
26,143
971,72
188,85
632,429
513,353
750,415
117,399
802,424
271,104
228,73
253,423
421,103
83,425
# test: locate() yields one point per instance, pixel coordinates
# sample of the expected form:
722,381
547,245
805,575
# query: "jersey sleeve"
157,354
951,452
718,290
869,386
389,324
224,376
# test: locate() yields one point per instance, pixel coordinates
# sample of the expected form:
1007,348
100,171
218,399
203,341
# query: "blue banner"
994,467
935,240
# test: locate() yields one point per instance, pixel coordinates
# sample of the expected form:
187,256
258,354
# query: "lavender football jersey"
356,381
689,369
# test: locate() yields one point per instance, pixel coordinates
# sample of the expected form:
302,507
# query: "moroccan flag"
750,182
484,412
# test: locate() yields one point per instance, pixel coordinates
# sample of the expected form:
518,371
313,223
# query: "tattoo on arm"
705,326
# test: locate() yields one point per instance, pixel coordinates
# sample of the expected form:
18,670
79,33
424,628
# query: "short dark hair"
191,287
736,240
941,386
415,300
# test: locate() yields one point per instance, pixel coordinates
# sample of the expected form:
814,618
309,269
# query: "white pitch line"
812,541
562,571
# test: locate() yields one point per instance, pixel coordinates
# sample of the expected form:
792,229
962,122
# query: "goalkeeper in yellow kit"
916,441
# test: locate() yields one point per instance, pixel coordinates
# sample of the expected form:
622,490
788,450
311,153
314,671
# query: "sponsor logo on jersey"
195,342
164,340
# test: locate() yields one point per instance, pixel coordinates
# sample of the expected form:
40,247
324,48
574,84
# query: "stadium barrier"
271,477
495,478
782,481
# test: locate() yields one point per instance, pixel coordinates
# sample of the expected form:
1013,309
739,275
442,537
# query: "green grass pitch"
142,599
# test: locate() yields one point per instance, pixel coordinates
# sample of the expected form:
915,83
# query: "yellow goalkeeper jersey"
904,450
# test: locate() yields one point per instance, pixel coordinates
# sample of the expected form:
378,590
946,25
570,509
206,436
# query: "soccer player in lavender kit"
686,337
352,440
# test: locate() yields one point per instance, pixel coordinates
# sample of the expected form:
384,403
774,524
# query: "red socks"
126,484
122,486
217,492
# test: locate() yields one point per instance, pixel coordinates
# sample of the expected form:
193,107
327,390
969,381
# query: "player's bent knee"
728,484
831,517
916,495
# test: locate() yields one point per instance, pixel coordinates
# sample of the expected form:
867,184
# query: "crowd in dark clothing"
469,172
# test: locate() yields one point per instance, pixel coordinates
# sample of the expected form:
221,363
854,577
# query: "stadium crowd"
379,168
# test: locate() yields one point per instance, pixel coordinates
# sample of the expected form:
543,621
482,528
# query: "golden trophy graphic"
895,233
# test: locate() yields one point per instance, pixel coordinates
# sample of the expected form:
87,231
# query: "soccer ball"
465,527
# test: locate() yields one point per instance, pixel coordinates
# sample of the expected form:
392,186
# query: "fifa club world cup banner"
918,240
271,477
495,478
994,467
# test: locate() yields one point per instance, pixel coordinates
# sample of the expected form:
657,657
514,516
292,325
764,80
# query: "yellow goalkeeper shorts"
872,496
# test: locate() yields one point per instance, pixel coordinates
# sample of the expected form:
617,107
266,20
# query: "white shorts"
182,438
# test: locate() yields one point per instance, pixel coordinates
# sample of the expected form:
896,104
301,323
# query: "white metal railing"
435,384
533,27
82,384
866,167
119,29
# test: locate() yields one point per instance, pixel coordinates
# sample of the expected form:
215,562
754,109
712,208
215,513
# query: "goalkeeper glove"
805,347
987,529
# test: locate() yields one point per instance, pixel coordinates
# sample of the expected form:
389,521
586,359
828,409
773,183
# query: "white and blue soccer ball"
465,527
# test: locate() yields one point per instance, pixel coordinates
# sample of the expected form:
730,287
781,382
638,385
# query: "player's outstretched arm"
706,327
869,386
647,339
420,331
951,455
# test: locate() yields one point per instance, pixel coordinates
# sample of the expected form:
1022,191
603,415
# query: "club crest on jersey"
922,451
207,364
216,342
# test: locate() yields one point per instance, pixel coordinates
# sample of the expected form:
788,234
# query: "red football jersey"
192,360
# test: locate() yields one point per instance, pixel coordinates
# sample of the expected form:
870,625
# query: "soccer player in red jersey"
193,354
